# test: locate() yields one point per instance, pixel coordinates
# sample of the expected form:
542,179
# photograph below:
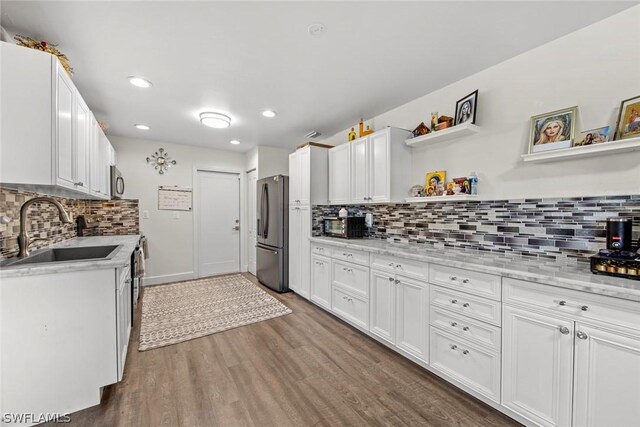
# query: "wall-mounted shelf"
448,134
612,147
435,199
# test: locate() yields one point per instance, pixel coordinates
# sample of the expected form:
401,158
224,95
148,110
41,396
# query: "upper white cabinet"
339,174
360,171
303,164
47,129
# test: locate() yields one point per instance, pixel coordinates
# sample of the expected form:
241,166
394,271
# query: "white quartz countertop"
127,245
568,274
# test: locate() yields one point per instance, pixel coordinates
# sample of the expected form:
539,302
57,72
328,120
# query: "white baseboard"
167,278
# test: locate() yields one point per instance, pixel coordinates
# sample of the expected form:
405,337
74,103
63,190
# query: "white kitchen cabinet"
299,250
382,305
46,136
606,377
295,179
321,281
123,315
339,174
372,169
537,372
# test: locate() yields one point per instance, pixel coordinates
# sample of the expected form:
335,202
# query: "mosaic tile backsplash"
545,228
116,217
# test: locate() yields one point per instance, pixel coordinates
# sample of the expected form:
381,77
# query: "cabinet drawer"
350,255
574,304
351,308
352,277
473,366
320,249
409,268
463,327
483,284
468,305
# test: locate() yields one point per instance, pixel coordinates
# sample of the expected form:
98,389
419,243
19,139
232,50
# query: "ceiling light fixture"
142,127
215,120
140,82
269,113
234,142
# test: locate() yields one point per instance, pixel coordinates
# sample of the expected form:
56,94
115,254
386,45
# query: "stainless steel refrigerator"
272,228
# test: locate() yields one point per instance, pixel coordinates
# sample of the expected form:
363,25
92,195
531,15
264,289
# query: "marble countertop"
568,274
127,245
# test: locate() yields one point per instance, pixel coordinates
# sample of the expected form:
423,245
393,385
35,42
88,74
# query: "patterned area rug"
182,311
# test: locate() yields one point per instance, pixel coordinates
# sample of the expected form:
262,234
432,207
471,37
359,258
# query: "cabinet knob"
454,324
397,281
453,278
562,303
454,301
391,279
582,335
465,328
399,266
465,281
453,346
466,304
564,330
584,307
465,352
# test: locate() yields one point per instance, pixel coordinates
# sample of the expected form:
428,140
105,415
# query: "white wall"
273,161
594,68
170,240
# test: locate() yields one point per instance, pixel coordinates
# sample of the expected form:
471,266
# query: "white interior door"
218,223
252,182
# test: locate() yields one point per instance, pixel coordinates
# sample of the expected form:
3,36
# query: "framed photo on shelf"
466,109
593,136
629,119
434,184
552,131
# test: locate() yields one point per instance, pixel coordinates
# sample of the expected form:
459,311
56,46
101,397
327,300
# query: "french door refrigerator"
272,229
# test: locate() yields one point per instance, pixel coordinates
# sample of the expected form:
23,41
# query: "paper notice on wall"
174,198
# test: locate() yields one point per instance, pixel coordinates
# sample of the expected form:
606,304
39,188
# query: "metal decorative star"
161,161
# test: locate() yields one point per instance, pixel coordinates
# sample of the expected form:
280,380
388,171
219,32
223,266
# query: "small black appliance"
349,227
619,230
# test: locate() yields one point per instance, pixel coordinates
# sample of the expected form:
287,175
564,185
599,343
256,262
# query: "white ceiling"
240,58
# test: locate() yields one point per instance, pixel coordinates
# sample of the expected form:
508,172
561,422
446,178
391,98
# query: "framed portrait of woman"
466,109
629,119
552,131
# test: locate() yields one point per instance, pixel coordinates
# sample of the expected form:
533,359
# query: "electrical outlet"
145,214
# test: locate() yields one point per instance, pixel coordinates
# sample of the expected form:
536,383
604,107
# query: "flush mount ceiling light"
234,142
142,127
140,82
215,120
269,113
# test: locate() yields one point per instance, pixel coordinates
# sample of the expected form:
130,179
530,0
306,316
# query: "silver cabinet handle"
564,330
350,255
465,328
454,301
453,346
399,266
391,264
582,335
391,279
79,183
465,352
348,270
236,228
584,307
320,249
465,281
466,304
397,281
453,324
453,278
562,303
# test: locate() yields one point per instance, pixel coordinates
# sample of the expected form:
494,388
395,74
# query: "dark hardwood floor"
304,369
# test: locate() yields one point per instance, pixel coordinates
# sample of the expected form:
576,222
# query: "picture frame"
592,136
628,125
466,109
434,184
553,131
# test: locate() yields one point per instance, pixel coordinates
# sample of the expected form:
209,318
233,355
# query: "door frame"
246,193
242,262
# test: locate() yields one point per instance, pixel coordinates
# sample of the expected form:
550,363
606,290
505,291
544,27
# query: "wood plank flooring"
304,369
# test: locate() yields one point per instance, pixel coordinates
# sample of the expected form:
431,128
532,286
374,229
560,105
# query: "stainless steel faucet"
23,238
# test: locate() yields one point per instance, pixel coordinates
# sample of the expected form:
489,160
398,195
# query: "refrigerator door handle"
267,219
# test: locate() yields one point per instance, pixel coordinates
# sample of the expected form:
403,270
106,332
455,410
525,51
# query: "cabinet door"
607,378
412,317
305,251
304,181
105,187
382,305
379,165
294,178
339,174
83,140
64,136
321,281
537,369
360,171
294,249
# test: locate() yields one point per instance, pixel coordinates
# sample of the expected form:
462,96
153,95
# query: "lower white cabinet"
299,250
537,353
399,312
321,281
350,307
123,316
607,378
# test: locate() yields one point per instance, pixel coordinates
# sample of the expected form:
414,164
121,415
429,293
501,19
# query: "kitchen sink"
68,255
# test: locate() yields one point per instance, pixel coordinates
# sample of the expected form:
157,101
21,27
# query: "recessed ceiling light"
140,82
234,142
215,120
269,113
142,127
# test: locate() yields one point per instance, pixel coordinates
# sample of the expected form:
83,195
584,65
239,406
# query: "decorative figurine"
361,128
434,121
352,135
367,131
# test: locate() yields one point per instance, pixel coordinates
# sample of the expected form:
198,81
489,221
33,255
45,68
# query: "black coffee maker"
619,259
